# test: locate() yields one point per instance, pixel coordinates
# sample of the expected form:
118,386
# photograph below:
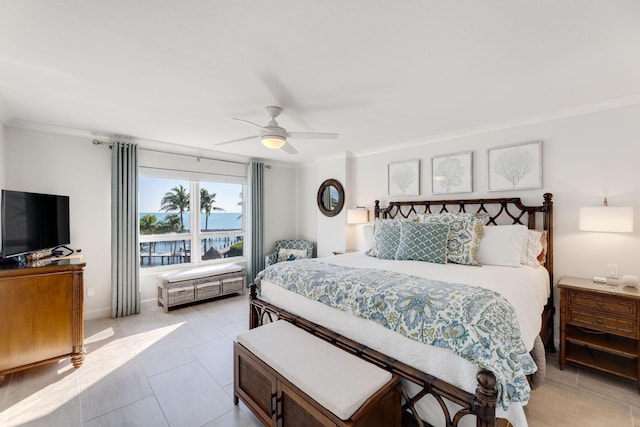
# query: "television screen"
32,222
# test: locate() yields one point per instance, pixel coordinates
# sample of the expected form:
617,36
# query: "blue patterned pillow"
286,254
465,232
386,238
423,242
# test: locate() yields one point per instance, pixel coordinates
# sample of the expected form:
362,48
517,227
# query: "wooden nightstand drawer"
617,325
600,326
603,305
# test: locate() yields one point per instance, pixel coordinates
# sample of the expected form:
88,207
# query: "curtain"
255,178
125,248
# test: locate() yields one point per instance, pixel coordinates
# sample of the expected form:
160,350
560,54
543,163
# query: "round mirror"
330,197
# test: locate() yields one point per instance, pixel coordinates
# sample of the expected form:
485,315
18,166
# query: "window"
166,216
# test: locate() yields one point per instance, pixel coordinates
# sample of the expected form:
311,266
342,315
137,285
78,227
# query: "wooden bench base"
201,286
276,401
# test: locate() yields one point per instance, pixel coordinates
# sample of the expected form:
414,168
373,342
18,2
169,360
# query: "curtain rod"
110,145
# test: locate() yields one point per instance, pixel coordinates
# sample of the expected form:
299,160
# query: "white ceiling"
381,73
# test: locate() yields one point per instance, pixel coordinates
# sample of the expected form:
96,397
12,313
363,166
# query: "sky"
152,190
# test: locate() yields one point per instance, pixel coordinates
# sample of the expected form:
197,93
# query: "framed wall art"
452,173
403,178
515,167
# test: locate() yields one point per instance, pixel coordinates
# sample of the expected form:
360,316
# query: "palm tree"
207,200
149,225
171,224
176,200
206,204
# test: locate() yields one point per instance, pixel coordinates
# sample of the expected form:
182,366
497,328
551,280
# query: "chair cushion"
196,273
295,244
337,380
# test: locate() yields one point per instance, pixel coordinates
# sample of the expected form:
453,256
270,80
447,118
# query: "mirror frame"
326,184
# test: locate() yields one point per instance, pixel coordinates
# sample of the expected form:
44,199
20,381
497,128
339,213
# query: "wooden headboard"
501,211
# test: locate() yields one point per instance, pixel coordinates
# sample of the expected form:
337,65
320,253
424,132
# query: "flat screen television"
32,222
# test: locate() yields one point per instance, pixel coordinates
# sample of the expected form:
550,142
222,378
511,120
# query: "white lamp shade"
607,219
357,216
273,142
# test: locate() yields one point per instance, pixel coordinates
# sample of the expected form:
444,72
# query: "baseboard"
98,313
105,312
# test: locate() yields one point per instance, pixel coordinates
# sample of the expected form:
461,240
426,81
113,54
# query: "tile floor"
175,369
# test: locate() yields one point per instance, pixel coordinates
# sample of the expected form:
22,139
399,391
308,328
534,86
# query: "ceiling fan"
274,136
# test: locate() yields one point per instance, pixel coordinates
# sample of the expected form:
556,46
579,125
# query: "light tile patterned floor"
153,369
176,369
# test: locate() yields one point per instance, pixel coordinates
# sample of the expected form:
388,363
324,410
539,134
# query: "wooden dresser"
600,326
41,315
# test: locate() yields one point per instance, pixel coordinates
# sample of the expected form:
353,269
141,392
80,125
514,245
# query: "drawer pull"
600,322
599,304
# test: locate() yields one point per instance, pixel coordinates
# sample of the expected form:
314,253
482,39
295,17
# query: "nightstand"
600,326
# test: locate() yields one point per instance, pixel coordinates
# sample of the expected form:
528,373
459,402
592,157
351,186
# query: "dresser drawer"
603,322
604,305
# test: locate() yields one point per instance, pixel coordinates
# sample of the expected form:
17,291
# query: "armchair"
272,258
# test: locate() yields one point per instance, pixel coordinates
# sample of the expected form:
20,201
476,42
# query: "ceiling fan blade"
289,148
246,138
313,135
251,123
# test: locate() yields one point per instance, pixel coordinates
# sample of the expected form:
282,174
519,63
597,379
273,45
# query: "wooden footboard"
482,404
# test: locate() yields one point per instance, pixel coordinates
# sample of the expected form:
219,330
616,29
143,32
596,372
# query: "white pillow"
367,236
502,245
532,249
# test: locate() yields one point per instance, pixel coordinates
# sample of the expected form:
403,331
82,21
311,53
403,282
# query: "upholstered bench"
289,377
200,283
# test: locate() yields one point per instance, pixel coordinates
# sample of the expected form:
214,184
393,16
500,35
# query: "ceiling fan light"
273,142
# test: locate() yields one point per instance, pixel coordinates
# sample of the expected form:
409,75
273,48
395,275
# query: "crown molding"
169,147
61,130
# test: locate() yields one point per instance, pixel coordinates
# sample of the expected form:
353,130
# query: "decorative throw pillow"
502,245
533,248
291,254
465,231
542,256
386,238
423,242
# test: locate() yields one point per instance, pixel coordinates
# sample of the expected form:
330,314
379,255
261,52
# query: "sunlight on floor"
98,364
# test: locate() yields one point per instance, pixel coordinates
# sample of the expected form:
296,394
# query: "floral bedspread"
477,324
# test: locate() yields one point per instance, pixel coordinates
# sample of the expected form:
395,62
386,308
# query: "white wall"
307,188
584,159
280,205
70,165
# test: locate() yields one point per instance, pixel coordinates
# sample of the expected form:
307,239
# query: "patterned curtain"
256,219
125,248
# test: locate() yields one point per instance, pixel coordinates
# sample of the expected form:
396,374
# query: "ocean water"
218,221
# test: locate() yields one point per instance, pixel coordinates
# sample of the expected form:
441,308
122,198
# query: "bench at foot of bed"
288,377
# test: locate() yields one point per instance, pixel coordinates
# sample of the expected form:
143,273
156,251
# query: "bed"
439,386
